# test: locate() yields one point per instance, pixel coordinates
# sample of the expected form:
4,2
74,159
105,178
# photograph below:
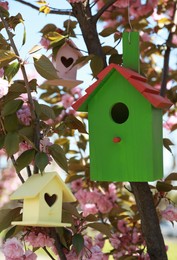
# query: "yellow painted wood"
37,210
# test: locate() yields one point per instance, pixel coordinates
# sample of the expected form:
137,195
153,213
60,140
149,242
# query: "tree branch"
58,244
30,99
103,9
166,58
149,221
52,11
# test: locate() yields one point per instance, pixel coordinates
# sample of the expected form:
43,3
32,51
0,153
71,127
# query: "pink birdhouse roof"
135,79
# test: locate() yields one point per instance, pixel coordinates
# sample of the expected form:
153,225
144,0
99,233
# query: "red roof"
136,80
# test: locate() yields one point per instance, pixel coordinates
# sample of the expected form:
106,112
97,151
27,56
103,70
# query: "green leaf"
7,216
171,177
11,143
8,123
6,57
167,142
115,58
47,111
107,31
73,123
103,228
24,159
164,186
96,65
59,156
48,28
41,160
11,107
2,138
78,242
45,68
4,12
11,70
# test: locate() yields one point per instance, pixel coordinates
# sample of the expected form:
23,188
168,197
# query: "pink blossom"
3,87
115,241
45,42
122,226
1,72
76,185
171,121
24,114
29,255
76,92
88,209
67,100
44,144
104,205
170,213
5,5
81,196
111,194
99,240
174,39
39,239
13,248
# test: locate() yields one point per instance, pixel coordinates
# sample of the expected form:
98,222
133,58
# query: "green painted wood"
131,51
135,157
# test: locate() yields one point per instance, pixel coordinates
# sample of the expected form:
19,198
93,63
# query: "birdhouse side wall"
49,208
131,159
31,209
157,142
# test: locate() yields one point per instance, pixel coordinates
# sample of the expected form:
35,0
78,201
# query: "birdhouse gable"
136,80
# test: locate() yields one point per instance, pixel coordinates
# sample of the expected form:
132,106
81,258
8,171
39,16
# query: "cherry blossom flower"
170,213
13,249
39,239
24,114
45,42
3,87
76,185
171,121
5,5
1,72
29,255
67,100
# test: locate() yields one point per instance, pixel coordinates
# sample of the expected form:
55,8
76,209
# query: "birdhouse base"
40,224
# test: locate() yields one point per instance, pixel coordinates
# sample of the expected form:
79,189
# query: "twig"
58,244
52,11
102,10
30,99
18,173
48,253
166,58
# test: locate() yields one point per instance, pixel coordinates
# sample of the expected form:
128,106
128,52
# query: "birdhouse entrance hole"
119,113
50,200
67,61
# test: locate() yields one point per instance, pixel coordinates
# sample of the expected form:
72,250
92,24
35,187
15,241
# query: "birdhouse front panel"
50,202
122,133
65,59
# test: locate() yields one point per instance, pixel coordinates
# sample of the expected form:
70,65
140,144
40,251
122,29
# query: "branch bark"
167,57
52,11
89,31
149,221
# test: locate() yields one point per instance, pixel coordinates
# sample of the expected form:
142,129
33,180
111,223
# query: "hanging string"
68,25
129,22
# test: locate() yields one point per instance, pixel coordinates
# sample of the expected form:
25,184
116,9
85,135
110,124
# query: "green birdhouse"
125,121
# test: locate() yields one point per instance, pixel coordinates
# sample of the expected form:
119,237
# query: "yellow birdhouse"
43,196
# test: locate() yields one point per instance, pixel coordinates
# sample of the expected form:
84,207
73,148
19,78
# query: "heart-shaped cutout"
67,61
50,200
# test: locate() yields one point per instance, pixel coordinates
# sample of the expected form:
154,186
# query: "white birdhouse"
65,59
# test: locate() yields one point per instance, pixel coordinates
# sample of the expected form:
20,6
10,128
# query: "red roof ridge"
138,81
